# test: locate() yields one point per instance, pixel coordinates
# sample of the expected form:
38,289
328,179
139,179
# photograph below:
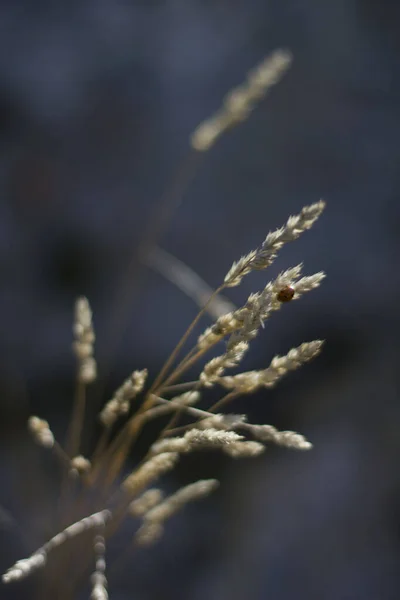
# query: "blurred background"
97,103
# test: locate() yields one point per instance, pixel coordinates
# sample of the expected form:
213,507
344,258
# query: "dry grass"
97,495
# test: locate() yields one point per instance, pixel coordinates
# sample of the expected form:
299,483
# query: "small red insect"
285,294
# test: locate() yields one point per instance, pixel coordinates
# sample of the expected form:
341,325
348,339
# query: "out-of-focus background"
97,102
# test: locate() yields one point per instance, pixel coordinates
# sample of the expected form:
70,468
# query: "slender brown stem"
175,417
73,436
179,430
168,204
67,509
78,415
179,387
61,455
162,213
182,341
206,413
101,445
197,412
224,400
120,446
116,453
182,367
184,359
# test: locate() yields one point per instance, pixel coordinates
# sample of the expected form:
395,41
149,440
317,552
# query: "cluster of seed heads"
96,477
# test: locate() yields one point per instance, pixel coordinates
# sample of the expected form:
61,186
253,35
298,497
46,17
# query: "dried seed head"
196,439
226,422
149,533
264,256
250,381
245,449
79,466
289,439
175,502
84,340
99,579
120,403
88,370
145,502
244,323
216,366
41,432
38,559
152,527
151,470
240,101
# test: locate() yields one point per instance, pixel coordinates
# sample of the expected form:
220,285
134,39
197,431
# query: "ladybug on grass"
285,294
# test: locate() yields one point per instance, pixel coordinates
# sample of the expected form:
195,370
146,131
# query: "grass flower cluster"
232,434
98,492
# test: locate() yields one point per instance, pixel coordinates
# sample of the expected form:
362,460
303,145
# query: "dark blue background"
97,102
